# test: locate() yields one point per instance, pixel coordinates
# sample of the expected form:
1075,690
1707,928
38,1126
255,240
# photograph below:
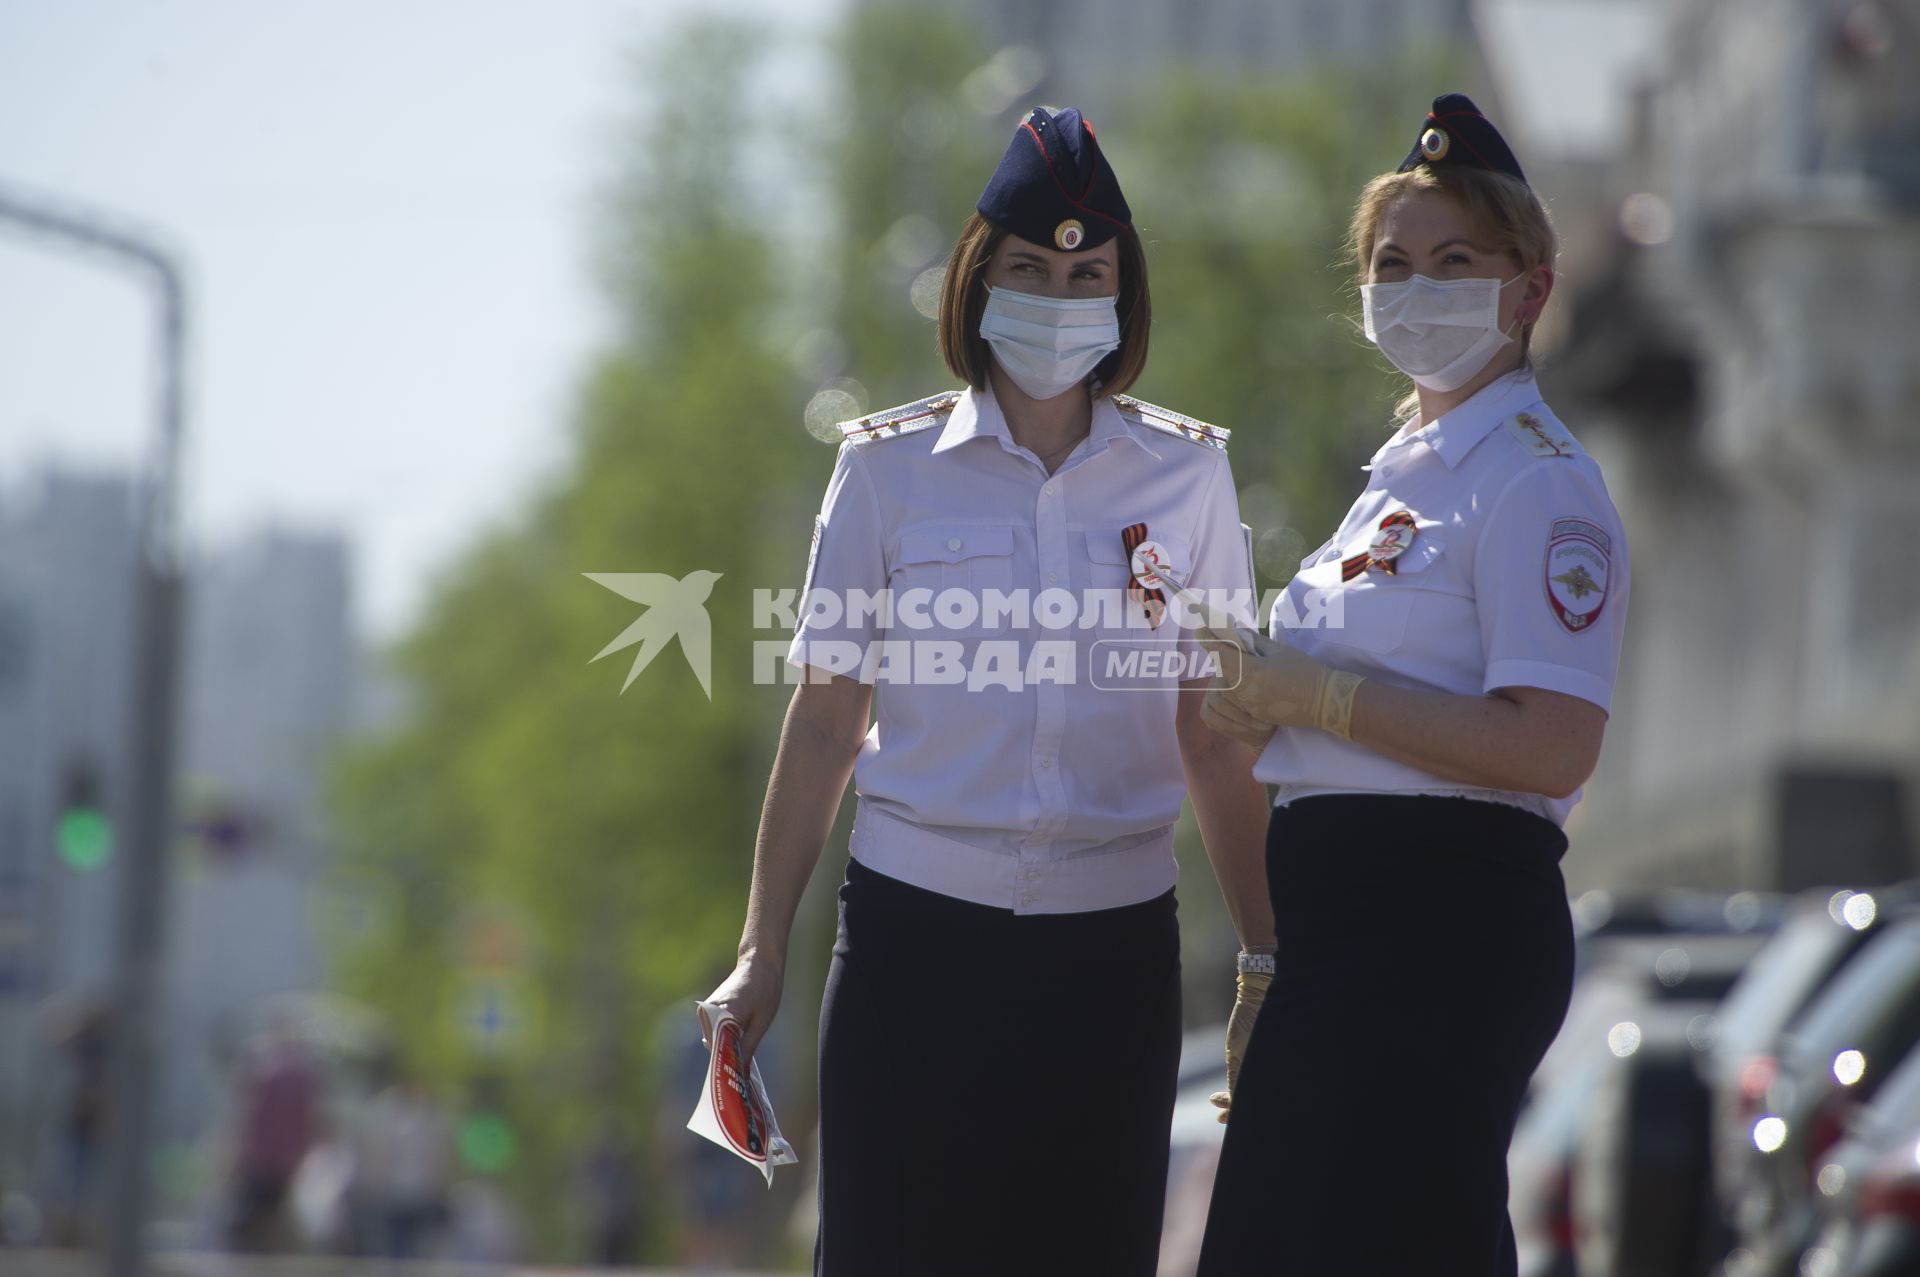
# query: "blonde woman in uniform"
1425,754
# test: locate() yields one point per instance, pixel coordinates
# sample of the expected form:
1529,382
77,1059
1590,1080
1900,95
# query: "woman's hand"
752,995
1275,684
1227,716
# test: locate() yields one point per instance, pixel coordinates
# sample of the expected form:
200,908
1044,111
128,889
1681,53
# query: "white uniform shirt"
1059,794
1516,575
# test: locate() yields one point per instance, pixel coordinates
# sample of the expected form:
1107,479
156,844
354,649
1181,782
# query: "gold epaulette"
890,423
1543,437
1167,421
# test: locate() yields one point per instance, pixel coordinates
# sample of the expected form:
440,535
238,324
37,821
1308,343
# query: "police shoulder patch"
1541,435
1579,567
909,418
1167,421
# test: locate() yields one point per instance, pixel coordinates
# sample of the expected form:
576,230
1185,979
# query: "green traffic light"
486,1142
84,838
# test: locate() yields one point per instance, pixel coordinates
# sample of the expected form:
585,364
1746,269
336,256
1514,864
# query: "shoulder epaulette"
890,423
1542,436
1167,421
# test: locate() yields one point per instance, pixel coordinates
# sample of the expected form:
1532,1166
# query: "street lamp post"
142,889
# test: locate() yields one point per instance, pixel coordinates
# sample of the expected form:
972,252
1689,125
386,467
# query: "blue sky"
385,209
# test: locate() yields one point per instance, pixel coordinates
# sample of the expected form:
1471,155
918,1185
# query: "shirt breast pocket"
1379,610
956,564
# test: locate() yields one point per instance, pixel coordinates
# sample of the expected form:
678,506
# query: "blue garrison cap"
1456,133
1053,187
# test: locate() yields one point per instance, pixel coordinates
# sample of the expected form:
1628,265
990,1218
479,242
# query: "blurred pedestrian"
1007,932
610,1179
403,1155
81,1032
1427,754
279,1121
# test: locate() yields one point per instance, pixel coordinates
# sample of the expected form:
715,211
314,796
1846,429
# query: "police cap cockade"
1053,186
1456,133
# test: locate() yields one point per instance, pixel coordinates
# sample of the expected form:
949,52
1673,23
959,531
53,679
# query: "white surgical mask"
1048,345
1438,332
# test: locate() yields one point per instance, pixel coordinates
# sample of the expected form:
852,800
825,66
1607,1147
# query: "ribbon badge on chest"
1394,539
1144,591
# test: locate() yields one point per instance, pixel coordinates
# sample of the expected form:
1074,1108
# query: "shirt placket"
1050,704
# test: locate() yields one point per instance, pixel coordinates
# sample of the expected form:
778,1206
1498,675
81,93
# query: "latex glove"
1274,684
1250,990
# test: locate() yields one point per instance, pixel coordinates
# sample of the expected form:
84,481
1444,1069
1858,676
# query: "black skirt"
995,1089
1425,963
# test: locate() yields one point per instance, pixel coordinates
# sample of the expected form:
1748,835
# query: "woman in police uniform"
1001,1026
1427,752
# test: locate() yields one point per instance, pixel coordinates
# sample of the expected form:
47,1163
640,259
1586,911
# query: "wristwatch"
1259,963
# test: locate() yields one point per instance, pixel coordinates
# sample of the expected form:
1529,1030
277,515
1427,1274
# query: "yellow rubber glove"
1250,990
1275,685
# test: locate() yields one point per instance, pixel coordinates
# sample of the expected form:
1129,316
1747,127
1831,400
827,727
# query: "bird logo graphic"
675,608
1579,584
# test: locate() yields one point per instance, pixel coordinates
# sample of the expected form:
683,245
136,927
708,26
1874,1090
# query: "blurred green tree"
614,829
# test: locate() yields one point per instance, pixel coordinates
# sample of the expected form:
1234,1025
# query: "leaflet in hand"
733,1110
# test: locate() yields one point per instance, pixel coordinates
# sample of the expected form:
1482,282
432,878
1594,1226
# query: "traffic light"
82,834
486,1142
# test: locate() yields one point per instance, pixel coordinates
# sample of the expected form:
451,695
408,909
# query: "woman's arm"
1231,808
824,726
1514,738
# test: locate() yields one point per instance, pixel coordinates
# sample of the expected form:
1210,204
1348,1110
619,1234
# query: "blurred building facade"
1089,52
67,556
267,689
1737,348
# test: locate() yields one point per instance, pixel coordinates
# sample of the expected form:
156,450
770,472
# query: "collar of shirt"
1452,435
978,416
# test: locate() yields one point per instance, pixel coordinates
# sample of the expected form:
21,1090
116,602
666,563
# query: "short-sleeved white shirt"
1056,795
1515,575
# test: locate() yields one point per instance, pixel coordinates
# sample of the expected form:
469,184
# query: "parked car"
1603,912
1868,1187
1640,1203
1629,978
1540,1168
1825,929
1828,1062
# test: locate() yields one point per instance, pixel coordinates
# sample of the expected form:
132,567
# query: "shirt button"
1033,873
1026,900
953,543
1052,577
1047,491
1046,762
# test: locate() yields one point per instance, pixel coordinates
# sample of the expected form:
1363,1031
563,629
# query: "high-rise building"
267,689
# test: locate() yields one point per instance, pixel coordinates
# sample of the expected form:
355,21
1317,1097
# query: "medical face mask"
1048,345
1438,332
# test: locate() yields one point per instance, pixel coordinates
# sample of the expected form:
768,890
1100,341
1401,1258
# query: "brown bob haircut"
963,299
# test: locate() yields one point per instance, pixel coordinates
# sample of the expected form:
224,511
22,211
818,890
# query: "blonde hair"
1506,215
963,299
